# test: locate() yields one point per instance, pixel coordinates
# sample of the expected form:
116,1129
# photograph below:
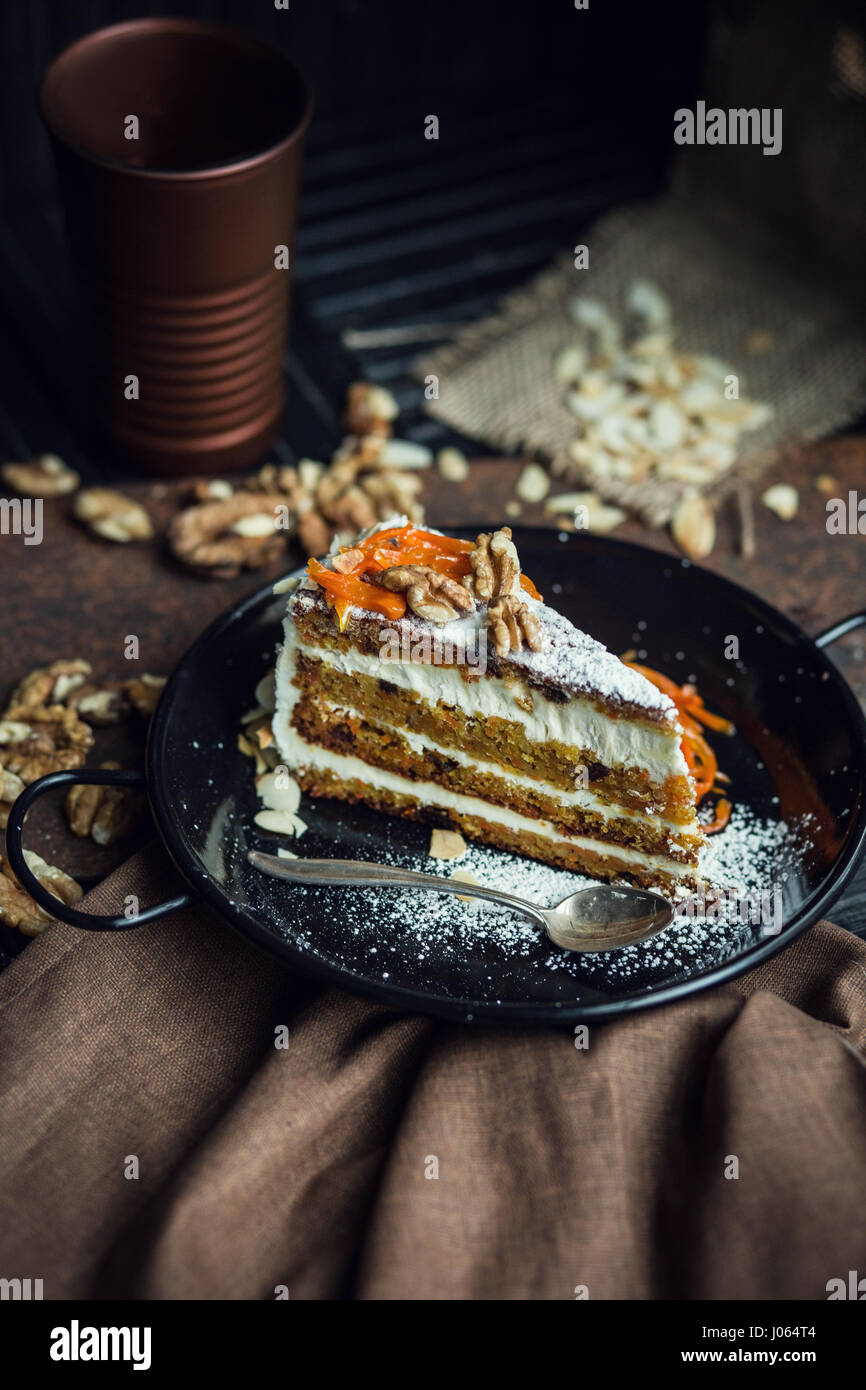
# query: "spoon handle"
353,873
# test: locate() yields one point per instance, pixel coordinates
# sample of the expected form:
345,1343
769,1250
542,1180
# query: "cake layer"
323,772
574,812
503,722
570,666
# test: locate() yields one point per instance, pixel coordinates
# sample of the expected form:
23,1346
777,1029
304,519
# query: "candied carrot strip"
351,592
412,535
721,818
409,545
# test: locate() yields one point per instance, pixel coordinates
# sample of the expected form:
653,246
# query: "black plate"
799,753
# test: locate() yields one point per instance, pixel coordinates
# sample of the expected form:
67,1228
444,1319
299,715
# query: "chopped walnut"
35,741
432,596
101,706
334,482
51,685
511,624
495,566
367,480
206,539
11,787
394,493
352,511
370,409
314,533
278,478
112,515
43,476
17,908
143,693
211,490
106,814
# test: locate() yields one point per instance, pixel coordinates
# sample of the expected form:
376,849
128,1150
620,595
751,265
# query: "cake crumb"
447,844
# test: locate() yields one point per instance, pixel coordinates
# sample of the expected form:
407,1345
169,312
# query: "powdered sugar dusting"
750,858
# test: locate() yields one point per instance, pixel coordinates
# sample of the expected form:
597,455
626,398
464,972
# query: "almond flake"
694,526
464,876
453,465
533,484
446,844
783,499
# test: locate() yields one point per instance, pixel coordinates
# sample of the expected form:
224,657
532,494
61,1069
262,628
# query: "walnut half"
510,624
218,539
431,595
495,565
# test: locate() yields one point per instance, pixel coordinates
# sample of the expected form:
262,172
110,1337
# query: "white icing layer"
575,723
297,753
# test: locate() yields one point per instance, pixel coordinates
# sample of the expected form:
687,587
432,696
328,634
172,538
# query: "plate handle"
30,883
840,629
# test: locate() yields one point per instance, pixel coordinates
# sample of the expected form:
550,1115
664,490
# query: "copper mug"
178,147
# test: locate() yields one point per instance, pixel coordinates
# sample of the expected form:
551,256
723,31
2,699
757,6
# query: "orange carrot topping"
409,545
721,818
347,591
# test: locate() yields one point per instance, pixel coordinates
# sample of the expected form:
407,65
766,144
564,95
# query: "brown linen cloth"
305,1167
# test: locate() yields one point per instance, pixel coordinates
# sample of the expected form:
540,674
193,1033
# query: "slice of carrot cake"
424,675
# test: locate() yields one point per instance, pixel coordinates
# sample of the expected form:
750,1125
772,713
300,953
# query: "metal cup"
178,147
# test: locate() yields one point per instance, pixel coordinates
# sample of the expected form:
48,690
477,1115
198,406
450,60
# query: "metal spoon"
599,918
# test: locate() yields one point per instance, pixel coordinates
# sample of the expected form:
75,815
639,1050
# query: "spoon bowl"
602,917
606,916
